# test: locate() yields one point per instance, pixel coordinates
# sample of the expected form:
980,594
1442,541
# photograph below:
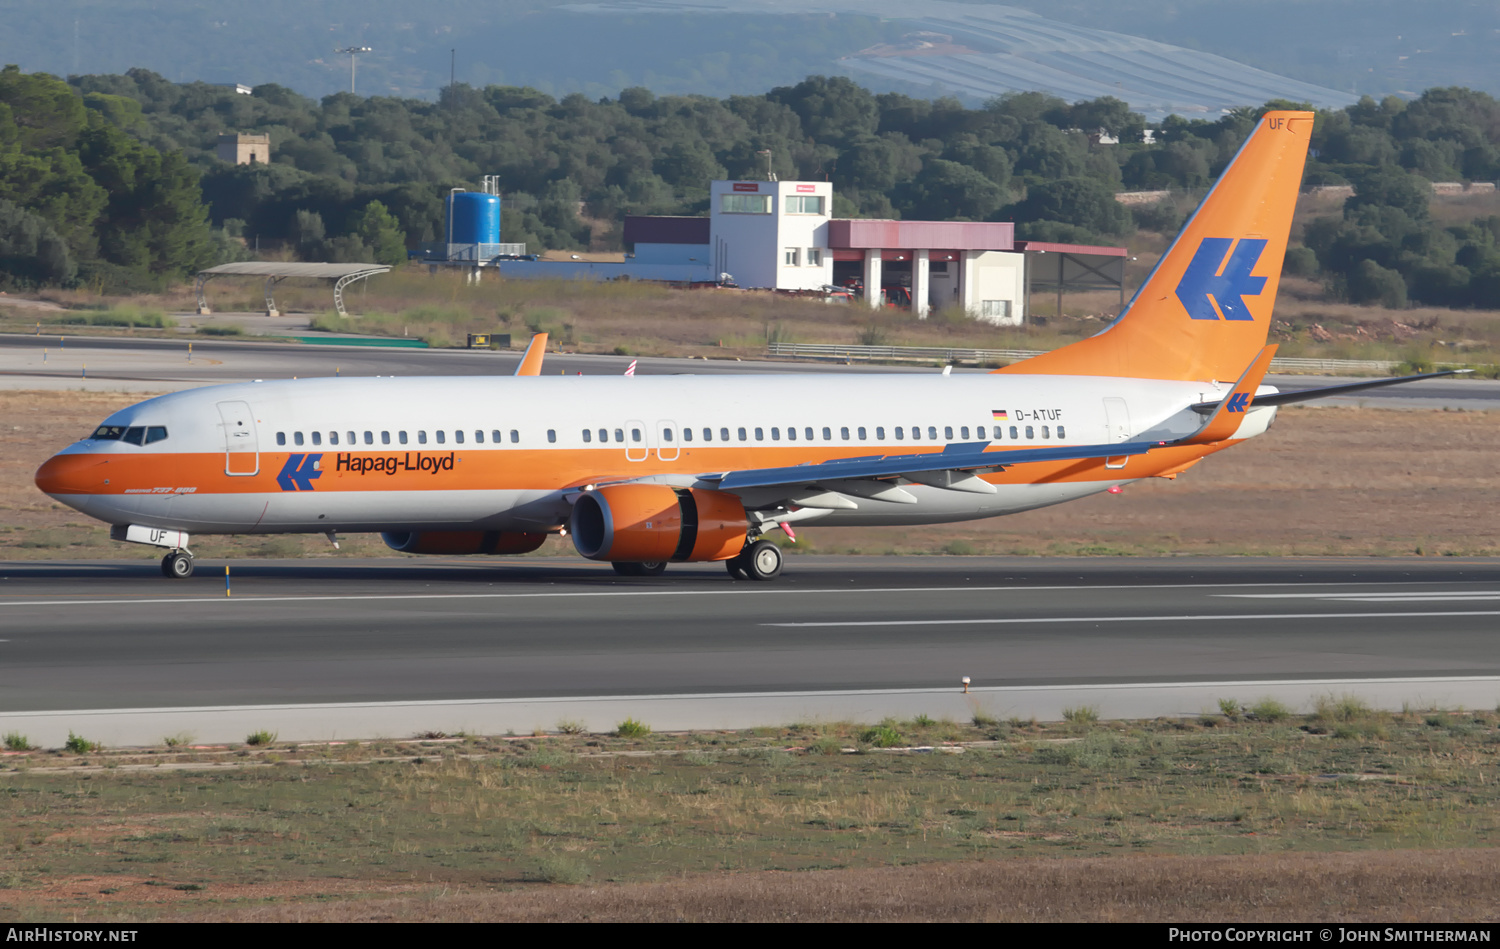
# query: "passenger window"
861,433
458,436
899,435
948,432
495,436
844,432
742,434
352,439
791,433
1061,433
297,439
441,436
421,438
1014,433
775,434
964,433
760,434
932,433
280,437
385,438
687,434
515,437
880,433
635,434
708,434
401,437
1030,433
588,436
808,433
827,434
333,438
1046,432
479,436
666,434
603,435
134,435
369,438
724,434
998,436
551,435
156,433
317,437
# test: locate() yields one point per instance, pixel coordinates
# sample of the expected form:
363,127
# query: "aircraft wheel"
735,567
762,561
178,565
651,568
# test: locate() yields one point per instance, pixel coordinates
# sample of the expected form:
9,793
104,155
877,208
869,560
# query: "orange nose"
72,474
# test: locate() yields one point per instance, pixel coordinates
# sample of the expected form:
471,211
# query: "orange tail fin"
1205,310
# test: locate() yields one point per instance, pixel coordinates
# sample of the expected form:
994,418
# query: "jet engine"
650,523
463,542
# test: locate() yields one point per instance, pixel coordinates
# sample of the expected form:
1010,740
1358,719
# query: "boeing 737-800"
643,471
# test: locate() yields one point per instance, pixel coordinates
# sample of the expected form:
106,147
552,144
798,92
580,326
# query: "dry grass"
1148,820
1322,482
1408,886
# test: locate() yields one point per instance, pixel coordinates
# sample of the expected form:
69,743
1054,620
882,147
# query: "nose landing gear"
178,565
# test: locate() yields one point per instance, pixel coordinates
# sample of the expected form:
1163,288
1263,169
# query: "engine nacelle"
463,542
648,523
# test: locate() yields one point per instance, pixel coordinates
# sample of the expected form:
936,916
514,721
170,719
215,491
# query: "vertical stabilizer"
1205,311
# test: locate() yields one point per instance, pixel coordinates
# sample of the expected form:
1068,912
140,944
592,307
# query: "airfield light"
353,52
966,685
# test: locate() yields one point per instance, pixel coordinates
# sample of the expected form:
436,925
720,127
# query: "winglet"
531,363
1227,417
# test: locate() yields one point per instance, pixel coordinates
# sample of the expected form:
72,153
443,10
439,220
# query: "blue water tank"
473,218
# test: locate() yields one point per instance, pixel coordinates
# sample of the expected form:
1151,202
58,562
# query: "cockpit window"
155,433
108,433
135,434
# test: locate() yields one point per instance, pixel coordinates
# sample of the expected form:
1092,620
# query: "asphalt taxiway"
325,647
160,365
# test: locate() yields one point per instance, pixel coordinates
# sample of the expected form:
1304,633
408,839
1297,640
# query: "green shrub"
570,726
15,741
1230,708
982,720
222,329
261,737
923,721
630,728
1082,715
826,746
79,745
883,735
1270,710
1345,708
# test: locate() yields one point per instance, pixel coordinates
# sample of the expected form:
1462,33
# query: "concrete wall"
613,270
996,278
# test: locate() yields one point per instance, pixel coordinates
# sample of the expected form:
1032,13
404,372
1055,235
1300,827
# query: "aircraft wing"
953,467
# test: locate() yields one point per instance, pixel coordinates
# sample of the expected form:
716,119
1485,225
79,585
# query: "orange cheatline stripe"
488,469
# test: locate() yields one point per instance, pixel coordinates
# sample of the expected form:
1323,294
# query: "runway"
160,365
113,635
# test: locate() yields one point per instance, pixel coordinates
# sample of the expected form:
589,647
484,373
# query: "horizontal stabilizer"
1323,392
1229,413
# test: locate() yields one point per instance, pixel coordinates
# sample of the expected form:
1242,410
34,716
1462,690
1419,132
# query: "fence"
836,353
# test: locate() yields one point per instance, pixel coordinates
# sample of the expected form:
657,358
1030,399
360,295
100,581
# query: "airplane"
643,471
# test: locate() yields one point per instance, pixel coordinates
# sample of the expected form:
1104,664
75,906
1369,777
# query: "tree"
379,230
1082,202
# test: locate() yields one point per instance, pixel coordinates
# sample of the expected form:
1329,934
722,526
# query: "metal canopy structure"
1065,267
341,274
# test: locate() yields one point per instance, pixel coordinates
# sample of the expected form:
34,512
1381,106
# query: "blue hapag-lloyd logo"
1238,402
1202,280
299,472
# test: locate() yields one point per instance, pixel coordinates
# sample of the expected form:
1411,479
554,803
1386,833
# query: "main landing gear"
650,568
178,565
761,560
